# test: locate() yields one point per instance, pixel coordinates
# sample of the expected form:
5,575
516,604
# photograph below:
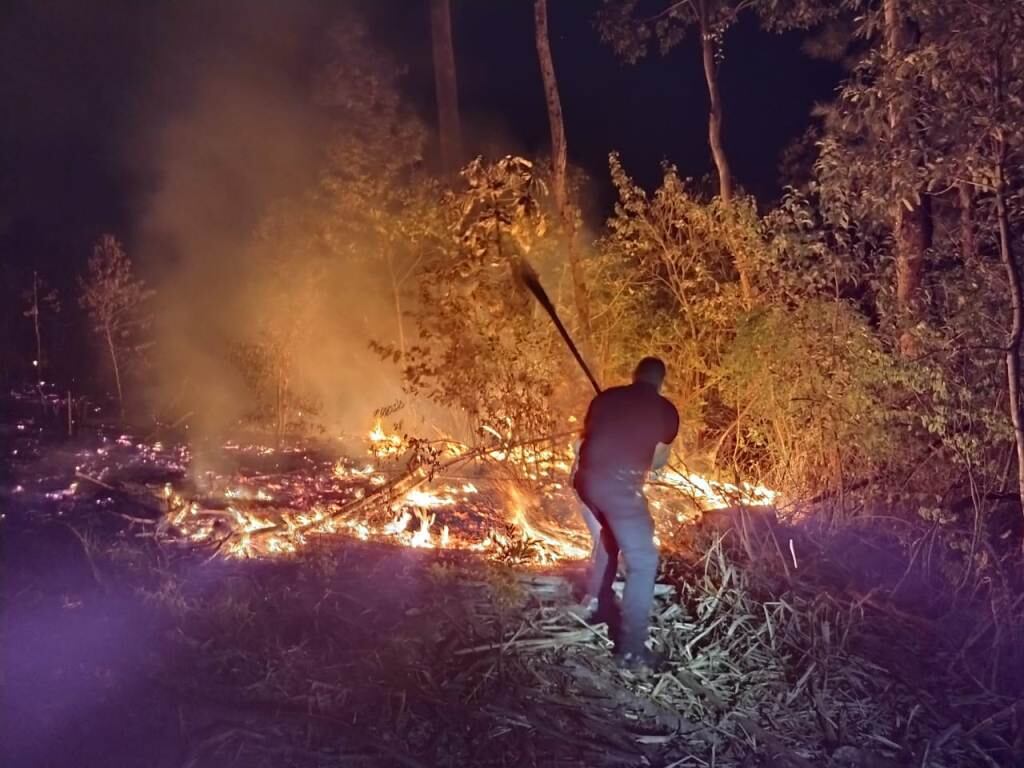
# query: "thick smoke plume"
241,153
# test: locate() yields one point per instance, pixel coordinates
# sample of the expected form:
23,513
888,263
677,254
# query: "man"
628,431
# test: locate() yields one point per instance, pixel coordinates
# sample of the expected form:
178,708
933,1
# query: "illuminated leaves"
678,255
480,348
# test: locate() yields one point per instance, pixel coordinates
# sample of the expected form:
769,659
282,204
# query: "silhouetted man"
628,431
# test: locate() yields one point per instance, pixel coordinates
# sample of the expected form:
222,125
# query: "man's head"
650,370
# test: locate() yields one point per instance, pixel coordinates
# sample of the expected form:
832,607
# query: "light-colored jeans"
620,511
594,569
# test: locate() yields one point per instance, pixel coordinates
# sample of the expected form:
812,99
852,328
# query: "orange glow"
501,519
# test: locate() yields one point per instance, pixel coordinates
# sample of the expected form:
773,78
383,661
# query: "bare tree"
559,152
114,300
39,298
445,84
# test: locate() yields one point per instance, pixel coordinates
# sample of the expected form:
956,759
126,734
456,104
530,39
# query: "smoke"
232,139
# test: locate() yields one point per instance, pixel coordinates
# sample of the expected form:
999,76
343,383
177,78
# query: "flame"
714,494
400,523
419,498
422,537
442,513
549,547
384,444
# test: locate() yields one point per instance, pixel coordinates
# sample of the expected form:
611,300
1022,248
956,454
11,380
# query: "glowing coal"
279,513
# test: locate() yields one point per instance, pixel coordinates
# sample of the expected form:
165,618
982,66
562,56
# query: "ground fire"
258,514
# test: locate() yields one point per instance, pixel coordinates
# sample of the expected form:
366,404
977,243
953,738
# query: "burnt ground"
114,657
350,653
121,651
155,671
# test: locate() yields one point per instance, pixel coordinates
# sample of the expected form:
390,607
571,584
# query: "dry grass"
407,659
356,653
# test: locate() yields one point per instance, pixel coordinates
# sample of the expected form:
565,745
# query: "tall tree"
39,298
911,215
445,85
559,153
883,140
946,114
973,83
631,33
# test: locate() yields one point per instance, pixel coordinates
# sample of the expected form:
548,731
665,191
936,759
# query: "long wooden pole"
531,280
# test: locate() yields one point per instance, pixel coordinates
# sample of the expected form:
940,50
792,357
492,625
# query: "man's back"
622,429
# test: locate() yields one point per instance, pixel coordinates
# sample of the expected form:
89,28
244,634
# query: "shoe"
639,661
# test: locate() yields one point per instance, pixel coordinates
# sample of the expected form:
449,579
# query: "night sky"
86,84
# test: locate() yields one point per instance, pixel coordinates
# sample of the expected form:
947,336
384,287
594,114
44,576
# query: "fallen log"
145,502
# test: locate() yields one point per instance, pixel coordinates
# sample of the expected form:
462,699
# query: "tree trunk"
912,241
911,223
559,163
968,242
715,119
281,405
117,371
1017,328
1013,282
396,293
554,102
707,44
445,85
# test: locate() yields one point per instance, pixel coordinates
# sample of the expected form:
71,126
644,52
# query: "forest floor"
118,651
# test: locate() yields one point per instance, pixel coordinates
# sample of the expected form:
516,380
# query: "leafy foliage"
480,347
633,26
798,382
677,256
808,386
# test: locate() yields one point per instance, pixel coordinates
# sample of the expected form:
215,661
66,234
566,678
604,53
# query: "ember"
249,514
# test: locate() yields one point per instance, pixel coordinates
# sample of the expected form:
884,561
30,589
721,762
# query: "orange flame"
426,516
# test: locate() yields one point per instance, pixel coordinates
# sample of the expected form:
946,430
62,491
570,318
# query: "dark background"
89,86
82,83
